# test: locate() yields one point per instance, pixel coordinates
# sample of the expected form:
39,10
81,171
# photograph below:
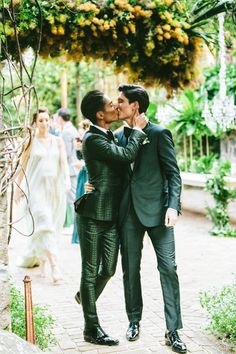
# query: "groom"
98,211
150,203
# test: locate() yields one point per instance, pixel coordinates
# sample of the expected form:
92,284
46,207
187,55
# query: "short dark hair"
93,102
136,93
64,114
40,110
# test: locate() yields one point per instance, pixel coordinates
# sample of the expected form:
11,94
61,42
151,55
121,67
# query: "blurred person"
43,180
82,176
69,133
54,128
98,211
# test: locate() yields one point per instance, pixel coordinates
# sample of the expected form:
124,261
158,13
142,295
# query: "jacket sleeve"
102,149
170,168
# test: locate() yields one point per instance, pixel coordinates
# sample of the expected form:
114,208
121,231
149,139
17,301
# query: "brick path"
203,262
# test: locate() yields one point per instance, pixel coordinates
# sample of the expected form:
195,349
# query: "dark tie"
110,135
127,132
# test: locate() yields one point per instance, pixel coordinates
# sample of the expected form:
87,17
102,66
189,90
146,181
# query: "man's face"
110,113
126,110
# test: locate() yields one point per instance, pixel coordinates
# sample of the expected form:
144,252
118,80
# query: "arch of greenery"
159,41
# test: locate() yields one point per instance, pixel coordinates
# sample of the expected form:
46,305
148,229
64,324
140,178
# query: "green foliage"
43,321
222,195
48,86
159,41
204,164
221,307
212,83
151,112
189,119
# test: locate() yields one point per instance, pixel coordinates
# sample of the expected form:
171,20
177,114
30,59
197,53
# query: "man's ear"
99,115
136,105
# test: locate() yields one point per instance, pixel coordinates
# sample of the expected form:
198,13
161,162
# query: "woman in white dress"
44,183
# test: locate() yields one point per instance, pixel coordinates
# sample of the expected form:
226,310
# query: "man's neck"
129,121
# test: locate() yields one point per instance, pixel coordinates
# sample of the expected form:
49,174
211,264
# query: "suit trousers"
162,238
99,245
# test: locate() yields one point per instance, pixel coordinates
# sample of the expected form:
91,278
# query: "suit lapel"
147,131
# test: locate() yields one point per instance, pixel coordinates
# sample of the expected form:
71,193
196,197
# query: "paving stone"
194,249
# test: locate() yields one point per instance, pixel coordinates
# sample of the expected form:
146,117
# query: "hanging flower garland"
153,39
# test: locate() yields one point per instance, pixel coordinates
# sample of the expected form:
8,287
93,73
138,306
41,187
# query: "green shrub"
222,195
204,164
221,307
43,322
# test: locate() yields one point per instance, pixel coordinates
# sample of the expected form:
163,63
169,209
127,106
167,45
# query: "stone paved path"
203,262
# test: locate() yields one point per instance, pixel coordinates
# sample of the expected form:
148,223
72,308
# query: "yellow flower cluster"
151,37
87,7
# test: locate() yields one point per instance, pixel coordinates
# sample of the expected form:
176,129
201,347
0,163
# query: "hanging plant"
159,41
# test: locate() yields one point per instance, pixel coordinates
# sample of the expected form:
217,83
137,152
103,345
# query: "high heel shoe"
56,274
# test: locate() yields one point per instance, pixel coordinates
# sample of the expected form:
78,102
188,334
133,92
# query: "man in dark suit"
150,203
98,211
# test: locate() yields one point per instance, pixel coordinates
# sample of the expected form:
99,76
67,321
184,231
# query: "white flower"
146,141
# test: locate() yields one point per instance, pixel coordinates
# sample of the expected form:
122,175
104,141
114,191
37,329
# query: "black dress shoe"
132,333
77,297
98,336
173,340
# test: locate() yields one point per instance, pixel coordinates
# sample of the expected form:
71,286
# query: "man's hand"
140,121
88,187
171,217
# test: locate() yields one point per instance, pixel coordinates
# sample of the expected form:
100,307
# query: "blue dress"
82,179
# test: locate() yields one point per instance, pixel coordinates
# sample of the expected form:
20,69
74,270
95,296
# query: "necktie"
110,135
127,132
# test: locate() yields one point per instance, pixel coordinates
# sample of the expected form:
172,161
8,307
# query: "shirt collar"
100,128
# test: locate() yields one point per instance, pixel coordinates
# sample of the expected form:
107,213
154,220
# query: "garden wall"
195,198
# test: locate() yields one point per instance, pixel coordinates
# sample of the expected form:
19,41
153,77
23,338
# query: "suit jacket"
106,164
69,133
155,183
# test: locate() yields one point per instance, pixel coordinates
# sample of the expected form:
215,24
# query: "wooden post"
29,313
185,153
191,148
207,145
201,147
64,96
78,114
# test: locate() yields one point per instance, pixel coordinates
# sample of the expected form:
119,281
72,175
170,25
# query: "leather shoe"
132,333
98,336
77,297
172,339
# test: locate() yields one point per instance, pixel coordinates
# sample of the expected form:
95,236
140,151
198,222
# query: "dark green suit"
97,214
152,186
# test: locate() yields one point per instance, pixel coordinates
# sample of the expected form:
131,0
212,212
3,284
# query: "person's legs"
109,254
131,234
164,245
91,243
90,235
